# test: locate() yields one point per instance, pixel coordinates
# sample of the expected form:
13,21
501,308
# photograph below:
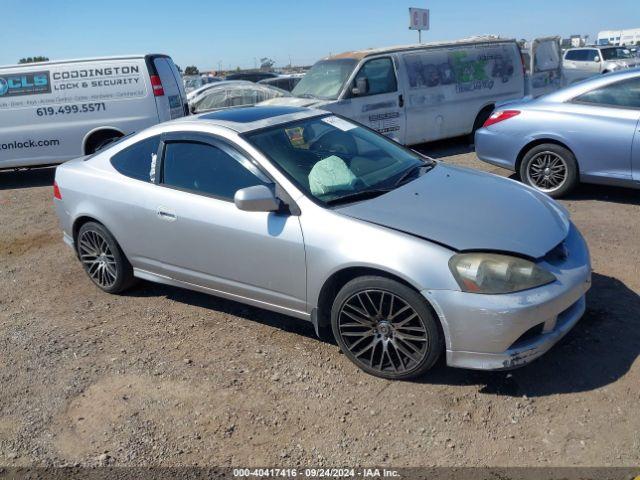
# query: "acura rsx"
309,214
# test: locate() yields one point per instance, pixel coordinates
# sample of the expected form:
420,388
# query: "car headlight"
490,273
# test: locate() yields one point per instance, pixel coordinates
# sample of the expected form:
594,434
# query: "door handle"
164,214
401,101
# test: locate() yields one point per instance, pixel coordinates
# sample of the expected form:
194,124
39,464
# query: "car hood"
469,210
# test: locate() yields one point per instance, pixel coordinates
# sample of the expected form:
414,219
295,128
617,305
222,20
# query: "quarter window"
380,75
207,169
624,94
137,160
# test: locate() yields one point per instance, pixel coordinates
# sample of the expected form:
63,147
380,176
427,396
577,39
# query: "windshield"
334,160
325,79
616,53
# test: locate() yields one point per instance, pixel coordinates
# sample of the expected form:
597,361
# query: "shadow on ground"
598,351
26,178
446,148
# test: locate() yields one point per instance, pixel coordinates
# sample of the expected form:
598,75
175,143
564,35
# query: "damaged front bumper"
500,332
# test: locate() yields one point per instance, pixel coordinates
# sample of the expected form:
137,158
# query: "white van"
418,93
54,111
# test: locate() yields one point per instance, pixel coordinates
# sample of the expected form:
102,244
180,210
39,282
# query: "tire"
539,164
482,117
99,140
103,259
371,331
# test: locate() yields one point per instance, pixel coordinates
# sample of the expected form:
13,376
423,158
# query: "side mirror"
361,88
256,199
596,58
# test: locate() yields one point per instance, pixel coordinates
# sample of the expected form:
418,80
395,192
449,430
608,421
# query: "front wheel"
385,328
550,168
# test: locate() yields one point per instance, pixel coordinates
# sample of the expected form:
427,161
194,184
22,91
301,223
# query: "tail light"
500,116
156,85
56,191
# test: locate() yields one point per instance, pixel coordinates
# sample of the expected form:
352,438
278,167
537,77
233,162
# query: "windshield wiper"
411,170
361,195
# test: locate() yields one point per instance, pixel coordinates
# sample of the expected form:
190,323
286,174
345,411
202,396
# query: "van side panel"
48,111
446,87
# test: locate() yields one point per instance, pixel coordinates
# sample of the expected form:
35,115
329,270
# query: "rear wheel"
482,117
102,259
550,168
385,328
100,139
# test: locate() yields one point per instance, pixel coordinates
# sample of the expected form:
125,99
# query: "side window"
578,55
209,170
624,94
380,76
137,160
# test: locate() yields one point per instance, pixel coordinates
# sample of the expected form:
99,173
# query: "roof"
247,119
360,54
79,60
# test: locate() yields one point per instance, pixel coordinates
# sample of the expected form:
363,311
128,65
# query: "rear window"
136,161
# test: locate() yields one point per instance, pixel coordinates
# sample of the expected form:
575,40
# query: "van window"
380,75
206,169
136,160
625,94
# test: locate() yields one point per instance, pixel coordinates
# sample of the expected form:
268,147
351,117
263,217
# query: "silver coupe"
309,214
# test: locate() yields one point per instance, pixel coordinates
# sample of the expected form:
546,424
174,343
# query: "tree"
33,59
266,63
191,70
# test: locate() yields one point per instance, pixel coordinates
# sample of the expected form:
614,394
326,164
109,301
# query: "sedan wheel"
385,328
550,168
102,258
547,172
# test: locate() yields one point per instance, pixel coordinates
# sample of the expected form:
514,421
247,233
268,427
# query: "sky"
237,33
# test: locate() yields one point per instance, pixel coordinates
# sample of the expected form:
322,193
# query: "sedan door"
202,238
603,128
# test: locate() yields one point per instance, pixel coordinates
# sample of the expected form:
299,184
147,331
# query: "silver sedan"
589,132
309,214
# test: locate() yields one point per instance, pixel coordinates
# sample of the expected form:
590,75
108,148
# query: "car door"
202,238
604,128
545,69
376,98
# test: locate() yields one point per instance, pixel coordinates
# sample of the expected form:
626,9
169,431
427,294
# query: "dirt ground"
164,376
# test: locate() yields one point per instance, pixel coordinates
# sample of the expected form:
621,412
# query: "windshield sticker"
339,123
296,136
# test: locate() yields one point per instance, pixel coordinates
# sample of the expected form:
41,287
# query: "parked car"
201,89
251,76
309,214
285,82
235,93
418,93
195,82
54,111
585,62
588,132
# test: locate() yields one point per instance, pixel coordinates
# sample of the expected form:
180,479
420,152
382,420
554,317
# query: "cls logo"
24,84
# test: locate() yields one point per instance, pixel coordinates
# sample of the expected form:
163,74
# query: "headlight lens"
491,273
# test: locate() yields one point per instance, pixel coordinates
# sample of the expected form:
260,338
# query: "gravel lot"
163,376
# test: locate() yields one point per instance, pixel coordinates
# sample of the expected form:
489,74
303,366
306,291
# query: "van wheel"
550,168
385,328
482,117
99,140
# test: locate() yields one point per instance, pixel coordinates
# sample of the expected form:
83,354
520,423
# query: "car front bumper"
499,332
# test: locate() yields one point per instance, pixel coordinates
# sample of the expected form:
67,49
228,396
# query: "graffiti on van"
32,83
467,72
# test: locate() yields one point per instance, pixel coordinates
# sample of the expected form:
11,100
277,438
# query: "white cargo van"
54,111
417,93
